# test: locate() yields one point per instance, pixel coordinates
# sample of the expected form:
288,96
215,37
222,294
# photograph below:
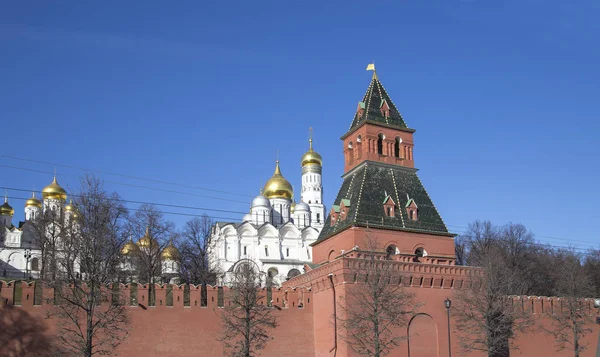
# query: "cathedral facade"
20,254
276,234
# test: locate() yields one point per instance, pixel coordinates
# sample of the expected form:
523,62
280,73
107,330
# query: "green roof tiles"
367,207
372,102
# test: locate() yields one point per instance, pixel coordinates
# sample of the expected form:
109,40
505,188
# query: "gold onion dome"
278,186
293,207
146,241
6,209
170,253
54,191
129,248
33,201
311,156
70,207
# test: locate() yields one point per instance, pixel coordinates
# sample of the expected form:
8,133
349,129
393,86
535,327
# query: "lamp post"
597,306
448,304
27,257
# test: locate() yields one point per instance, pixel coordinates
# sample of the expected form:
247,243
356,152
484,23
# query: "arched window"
390,251
266,250
397,147
390,213
35,265
380,144
420,253
318,218
412,215
358,139
271,275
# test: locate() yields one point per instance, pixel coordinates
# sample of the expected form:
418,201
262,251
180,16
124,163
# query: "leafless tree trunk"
194,248
149,225
246,323
570,321
375,306
487,319
45,233
86,263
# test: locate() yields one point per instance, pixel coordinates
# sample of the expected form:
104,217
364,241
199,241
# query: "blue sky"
503,95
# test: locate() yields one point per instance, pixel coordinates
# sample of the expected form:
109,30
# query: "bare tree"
246,323
45,232
154,231
86,262
487,319
570,320
375,305
592,269
194,248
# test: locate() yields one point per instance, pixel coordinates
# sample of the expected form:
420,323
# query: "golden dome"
128,248
170,253
146,241
33,201
278,186
311,156
54,191
70,207
293,207
6,209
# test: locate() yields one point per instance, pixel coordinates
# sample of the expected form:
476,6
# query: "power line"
163,212
121,175
136,202
127,184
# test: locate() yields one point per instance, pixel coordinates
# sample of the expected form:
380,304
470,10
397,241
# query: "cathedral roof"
370,109
368,184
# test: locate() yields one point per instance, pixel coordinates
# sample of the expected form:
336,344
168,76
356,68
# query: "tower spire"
310,148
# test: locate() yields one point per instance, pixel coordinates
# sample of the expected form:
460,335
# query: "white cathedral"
276,234
20,257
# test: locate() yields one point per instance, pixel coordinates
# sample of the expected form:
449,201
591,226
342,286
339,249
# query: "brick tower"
381,190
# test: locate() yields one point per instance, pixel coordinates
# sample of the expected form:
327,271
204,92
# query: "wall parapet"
132,295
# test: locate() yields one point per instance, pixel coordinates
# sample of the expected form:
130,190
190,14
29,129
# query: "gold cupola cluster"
54,191
33,201
278,186
311,157
6,209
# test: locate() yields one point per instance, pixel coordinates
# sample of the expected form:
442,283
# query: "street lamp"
27,257
448,304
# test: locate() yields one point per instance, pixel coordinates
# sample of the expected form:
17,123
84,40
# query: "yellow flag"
371,67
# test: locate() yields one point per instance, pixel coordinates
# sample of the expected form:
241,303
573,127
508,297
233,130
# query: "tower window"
380,144
245,250
287,252
266,251
318,218
397,147
412,215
